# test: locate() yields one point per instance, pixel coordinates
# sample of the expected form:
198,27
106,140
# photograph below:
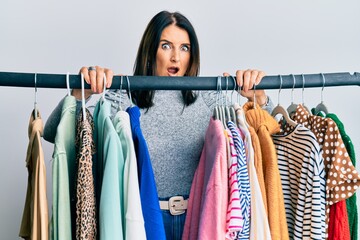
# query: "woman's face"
173,54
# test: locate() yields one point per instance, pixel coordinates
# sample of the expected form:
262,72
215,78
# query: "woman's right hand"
96,80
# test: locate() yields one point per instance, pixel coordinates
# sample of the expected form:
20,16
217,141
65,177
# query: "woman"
173,122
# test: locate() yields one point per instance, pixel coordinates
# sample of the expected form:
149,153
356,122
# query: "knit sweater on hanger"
265,125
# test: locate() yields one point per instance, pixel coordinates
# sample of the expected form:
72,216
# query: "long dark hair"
145,63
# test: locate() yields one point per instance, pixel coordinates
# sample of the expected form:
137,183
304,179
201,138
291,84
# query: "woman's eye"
185,48
165,46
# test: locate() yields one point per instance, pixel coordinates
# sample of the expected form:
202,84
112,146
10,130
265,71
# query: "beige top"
34,224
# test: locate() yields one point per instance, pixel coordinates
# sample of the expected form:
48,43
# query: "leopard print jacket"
85,190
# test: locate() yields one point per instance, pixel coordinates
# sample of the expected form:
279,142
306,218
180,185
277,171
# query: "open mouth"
173,70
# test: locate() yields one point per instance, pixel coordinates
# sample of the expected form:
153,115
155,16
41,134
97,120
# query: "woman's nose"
175,57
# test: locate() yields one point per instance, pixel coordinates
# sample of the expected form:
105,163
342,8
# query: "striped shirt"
234,216
303,182
243,180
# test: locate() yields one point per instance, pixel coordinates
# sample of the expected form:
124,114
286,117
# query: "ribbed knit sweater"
265,125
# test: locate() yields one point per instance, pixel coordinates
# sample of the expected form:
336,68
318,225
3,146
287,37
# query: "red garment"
338,228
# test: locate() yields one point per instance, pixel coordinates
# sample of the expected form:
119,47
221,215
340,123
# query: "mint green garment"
63,171
350,202
110,163
134,221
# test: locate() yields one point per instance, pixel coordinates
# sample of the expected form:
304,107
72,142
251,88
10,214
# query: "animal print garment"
85,191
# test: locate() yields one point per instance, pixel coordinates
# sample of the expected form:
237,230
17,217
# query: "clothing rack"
45,80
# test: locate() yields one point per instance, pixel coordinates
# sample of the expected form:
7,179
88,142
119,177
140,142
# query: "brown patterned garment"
342,178
85,191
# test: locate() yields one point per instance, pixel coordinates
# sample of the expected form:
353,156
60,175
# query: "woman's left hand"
246,79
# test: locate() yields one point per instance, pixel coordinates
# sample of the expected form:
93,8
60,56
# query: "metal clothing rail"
44,80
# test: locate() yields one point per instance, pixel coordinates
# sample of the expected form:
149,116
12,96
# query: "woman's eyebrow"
167,41
164,40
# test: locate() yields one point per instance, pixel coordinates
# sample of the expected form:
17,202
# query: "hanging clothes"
259,225
302,174
34,223
243,180
265,125
351,205
338,218
86,223
234,216
134,220
206,213
110,163
154,224
338,221
342,177
63,172
255,143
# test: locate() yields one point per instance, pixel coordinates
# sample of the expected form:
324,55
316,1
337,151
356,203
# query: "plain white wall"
279,37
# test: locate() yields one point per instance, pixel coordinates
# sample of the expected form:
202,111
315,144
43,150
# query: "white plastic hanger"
240,114
321,106
292,108
68,83
83,97
120,93
281,110
35,101
104,89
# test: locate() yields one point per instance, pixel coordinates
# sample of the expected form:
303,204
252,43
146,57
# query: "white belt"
176,205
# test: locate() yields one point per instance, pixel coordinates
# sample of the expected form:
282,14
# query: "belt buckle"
176,202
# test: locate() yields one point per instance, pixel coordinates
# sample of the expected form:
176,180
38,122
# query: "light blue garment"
134,220
110,162
63,171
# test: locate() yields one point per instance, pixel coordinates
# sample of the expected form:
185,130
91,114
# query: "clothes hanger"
238,97
216,114
130,98
68,83
292,108
218,110
321,106
83,97
222,107
35,100
254,98
227,105
232,109
240,114
281,110
120,93
302,95
104,89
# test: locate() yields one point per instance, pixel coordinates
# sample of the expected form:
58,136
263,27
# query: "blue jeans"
174,224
